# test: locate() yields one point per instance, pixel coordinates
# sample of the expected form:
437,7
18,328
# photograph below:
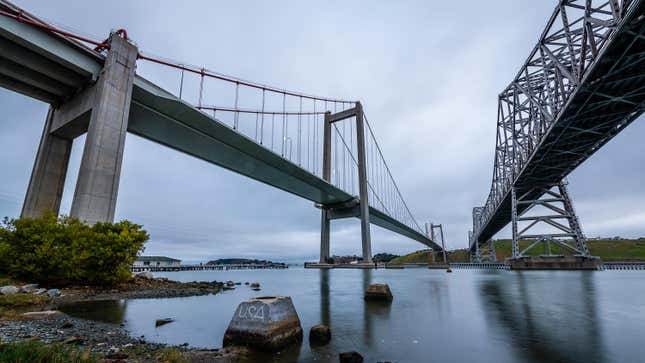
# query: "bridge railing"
573,38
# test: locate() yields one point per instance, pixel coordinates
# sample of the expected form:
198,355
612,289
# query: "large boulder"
145,275
378,292
9,290
29,288
267,323
319,334
53,292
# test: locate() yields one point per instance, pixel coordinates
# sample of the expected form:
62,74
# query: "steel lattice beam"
580,86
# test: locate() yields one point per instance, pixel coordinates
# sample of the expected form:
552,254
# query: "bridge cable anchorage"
586,49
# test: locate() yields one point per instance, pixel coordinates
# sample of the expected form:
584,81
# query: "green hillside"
606,249
425,256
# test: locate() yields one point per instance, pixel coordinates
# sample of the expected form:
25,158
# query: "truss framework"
562,218
540,98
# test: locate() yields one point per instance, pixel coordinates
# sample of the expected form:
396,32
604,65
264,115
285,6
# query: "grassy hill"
621,249
425,256
606,249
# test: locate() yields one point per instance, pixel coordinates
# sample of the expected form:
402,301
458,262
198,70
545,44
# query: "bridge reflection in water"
546,321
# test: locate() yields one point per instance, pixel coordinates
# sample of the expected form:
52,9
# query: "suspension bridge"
319,148
581,85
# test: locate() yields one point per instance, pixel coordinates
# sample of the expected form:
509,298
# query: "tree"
64,250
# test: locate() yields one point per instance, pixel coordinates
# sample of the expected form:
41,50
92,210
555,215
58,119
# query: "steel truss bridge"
319,148
582,84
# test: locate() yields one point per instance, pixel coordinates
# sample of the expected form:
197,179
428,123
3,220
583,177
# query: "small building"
156,261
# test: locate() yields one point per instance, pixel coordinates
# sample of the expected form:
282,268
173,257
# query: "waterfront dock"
209,267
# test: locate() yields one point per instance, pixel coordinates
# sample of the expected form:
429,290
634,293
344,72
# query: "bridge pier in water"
567,235
100,109
360,209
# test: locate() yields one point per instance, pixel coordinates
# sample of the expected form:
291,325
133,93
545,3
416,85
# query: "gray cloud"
428,74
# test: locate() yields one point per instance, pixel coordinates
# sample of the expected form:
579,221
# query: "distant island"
243,261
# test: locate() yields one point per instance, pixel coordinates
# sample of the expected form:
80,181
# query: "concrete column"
443,245
45,189
98,179
362,184
326,172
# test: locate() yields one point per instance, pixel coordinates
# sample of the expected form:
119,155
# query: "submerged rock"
164,321
9,290
267,323
378,292
319,334
255,285
350,357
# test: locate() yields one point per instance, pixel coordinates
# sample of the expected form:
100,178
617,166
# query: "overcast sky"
428,74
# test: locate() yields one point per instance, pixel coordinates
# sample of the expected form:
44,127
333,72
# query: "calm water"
483,316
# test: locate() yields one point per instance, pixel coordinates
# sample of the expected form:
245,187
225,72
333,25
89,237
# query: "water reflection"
105,311
324,297
546,321
466,316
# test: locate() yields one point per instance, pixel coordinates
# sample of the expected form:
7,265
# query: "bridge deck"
609,98
51,68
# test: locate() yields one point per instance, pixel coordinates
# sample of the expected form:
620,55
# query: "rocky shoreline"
109,340
45,324
140,288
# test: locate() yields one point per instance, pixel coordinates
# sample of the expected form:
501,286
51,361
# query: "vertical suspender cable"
262,124
309,142
300,132
272,129
236,116
257,117
284,127
181,83
315,140
201,87
351,151
336,154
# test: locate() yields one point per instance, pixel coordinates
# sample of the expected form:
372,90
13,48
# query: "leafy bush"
65,250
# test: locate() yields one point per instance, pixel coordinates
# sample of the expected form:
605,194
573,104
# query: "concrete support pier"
47,180
101,109
362,185
325,222
352,208
98,179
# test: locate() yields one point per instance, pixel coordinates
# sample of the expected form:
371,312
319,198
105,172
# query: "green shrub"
18,300
36,352
64,250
